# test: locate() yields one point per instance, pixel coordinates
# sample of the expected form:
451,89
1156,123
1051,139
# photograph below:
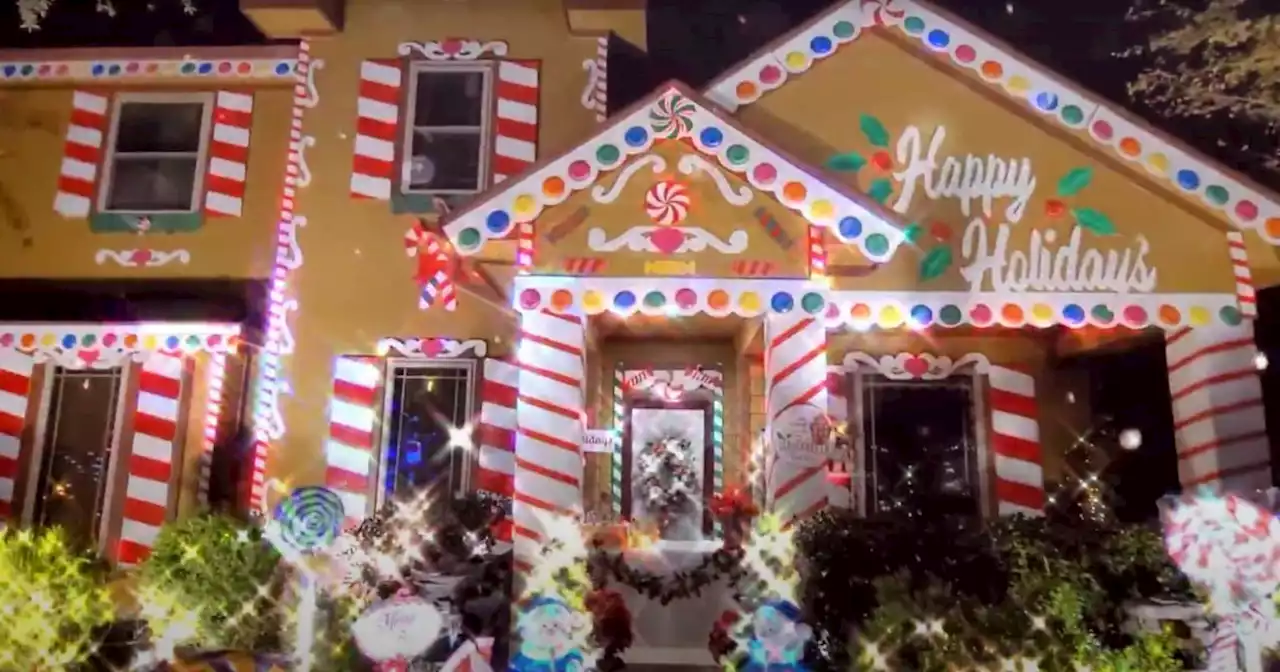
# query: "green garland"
723,563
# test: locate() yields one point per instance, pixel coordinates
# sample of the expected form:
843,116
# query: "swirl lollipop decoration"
310,519
667,202
672,116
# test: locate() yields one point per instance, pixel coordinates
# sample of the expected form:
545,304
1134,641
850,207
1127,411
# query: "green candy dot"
812,303
1103,313
1230,315
1217,194
913,24
737,154
468,238
950,315
88,340
843,30
607,154
876,244
193,341
654,299
1072,114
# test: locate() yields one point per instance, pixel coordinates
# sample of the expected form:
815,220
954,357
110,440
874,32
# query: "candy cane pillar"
550,408
795,397
1218,419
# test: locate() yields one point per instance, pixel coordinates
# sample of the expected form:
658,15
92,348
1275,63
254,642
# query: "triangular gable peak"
674,114
1242,203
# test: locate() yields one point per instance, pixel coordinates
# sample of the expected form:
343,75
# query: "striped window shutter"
156,419
81,155
497,435
350,451
515,138
1015,441
16,370
377,119
228,154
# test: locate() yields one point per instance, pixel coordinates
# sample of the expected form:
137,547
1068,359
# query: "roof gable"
675,114
1172,164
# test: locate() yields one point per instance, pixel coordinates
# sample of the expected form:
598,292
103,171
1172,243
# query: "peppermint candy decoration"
883,12
667,203
1227,543
672,116
310,518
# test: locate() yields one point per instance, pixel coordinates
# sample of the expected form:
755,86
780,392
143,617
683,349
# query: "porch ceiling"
699,327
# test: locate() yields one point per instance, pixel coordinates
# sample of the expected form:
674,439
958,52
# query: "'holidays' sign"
599,441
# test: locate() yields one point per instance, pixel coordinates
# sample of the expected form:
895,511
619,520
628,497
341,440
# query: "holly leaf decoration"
874,130
936,262
1094,221
1075,180
881,189
849,162
912,232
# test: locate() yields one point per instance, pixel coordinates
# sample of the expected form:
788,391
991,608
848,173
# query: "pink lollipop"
667,203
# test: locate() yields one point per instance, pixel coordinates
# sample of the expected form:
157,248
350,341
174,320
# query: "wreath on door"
667,479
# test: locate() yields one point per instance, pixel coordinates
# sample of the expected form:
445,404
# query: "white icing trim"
452,50
692,163
431,348
609,194
639,239
142,258
910,366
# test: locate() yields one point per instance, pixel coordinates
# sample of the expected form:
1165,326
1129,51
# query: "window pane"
445,98
920,449
426,404
444,161
159,127
77,451
153,184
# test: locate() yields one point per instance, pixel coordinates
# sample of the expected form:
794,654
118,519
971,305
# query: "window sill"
169,222
425,204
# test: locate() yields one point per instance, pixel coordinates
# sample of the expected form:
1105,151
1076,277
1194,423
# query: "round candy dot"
1247,210
1230,315
965,54
913,24
820,45
1272,227
764,173
655,299
711,137
1073,314
1072,115
6,340
561,299
796,60
553,187
718,299
1102,314
921,316
172,343
579,170
1011,314
1135,316
1047,101
529,299
28,340
608,154
749,302
1130,147
843,30
1042,313
635,136
770,74
822,209
524,204
991,70
890,317
592,301
1018,85
130,340
1198,316
48,340
1216,194
877,245
624,299
686,298
469,238
737,154
193,341
833,311
938,39
860,312
950,315
88,340
1169,315
1187,179
850,227
69,341
1102,129
745,90
812,303
149,342
498,221
980,314
782,302
109,340
1158,163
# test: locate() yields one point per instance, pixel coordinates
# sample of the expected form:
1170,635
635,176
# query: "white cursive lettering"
1068,268
965,179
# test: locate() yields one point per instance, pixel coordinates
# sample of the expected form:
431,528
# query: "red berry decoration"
882,160
1055,208
940,232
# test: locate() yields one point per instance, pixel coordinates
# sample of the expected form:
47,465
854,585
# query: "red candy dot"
44,69
153,67
529,299
6,340
764,173
686,298
108,340
244,68
132,67
770,74
224,67
980,314
64,69
1103,130
579,170
1135,315
1246,210
214,341
965,53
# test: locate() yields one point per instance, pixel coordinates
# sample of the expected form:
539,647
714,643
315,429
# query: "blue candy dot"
635,136
497,221
939,39
624,299
921,315
282,68
1047,101
850,227
172,342
820,45
1187,179
10,71
1073,314
711,137
206,68
782,302
97,69
68,341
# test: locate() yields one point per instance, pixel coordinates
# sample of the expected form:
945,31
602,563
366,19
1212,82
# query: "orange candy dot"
1011,314
992,70
1130,147
794,191
553,187
746,90
1170,315
718,299
860,311
562,299
1273,227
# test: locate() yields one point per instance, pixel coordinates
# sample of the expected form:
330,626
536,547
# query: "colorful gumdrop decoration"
309,519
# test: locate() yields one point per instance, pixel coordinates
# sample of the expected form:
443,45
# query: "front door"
667,466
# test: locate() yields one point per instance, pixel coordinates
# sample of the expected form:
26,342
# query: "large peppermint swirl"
667,203
310,518
672,116
1226,543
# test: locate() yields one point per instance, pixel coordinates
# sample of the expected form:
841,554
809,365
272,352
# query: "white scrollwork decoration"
676,381
610,194
909,366
588,99
291,259
82,359
304,170
452,50
142,258
641,239
287,343
691,163
313,94
432,348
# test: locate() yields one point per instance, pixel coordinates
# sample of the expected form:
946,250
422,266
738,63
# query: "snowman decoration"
777,639
551,637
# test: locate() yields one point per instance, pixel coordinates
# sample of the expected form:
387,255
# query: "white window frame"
379,494
486,124
30,495
202,157
972,380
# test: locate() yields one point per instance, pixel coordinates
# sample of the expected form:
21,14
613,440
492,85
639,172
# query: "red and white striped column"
1219,422
353,414
795,369
550,410
1015,442
839,472
155,430
16,369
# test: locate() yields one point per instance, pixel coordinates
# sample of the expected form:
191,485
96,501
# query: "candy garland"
1232,547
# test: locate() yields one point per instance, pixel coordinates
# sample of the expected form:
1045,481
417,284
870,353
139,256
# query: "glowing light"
1130,439
1260,361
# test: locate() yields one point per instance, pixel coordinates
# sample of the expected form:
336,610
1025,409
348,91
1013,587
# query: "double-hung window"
156,153
447,134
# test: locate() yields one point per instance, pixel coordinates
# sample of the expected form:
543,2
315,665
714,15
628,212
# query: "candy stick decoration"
817,253
717,447
571,223
434,265
619,428
774,229
524,246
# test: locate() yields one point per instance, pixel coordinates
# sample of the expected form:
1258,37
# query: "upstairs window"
446,146
156,154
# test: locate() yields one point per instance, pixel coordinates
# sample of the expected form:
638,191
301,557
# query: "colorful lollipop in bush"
309,519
